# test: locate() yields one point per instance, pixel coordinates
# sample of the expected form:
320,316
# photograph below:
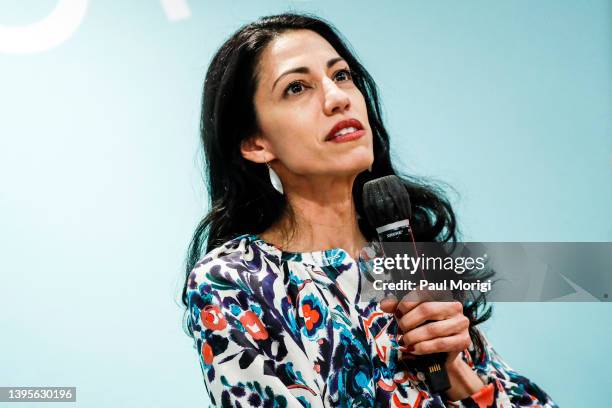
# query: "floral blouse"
289,329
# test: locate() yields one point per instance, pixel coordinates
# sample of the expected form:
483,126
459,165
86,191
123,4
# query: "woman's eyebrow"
305,70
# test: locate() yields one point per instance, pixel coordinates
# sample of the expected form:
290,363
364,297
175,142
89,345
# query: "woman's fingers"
443,328
412,300
430,326
458,342
388,305
422,312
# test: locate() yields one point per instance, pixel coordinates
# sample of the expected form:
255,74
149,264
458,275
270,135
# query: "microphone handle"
435,372
433,364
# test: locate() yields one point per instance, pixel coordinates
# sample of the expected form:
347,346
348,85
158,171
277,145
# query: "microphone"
386,203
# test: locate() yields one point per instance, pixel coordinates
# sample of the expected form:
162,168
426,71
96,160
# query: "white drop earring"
274,179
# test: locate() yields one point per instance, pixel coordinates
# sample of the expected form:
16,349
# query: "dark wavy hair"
242,200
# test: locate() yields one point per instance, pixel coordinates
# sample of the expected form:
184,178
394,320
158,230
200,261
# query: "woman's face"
305,91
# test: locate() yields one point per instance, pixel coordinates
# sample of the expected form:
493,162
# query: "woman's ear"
255,149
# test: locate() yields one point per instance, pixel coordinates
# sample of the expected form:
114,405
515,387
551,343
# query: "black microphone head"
386,200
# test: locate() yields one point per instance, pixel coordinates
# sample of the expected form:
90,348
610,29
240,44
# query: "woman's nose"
336,100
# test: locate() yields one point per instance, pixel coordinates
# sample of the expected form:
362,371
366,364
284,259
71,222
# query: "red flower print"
212,318
254,326
311,316
207,353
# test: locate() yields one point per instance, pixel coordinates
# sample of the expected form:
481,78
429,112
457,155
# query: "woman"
292,129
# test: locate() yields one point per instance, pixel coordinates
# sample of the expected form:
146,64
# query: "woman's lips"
344,125
348,137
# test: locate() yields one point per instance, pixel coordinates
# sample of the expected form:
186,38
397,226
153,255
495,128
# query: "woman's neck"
319,224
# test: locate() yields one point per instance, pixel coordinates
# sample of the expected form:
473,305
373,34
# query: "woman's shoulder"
231,260
228,250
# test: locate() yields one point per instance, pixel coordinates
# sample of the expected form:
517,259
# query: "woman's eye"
294,88
344,74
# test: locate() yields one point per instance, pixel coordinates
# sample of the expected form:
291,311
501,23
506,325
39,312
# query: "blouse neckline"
324,257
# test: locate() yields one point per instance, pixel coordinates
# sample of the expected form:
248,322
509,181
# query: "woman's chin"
352,169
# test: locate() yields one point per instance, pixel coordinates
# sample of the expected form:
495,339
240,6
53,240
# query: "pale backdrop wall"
508,101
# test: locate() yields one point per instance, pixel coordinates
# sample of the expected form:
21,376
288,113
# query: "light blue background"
509,102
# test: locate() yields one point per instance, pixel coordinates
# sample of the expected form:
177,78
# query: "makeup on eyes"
346,70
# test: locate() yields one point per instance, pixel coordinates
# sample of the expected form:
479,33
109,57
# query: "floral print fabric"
284,329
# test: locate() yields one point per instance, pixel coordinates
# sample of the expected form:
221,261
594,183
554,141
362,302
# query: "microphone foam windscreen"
386,200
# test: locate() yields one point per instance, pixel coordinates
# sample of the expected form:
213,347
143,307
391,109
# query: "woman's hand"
446,331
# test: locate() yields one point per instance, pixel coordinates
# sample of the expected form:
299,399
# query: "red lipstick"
345,130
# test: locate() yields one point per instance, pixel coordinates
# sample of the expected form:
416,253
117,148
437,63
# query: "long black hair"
242,200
